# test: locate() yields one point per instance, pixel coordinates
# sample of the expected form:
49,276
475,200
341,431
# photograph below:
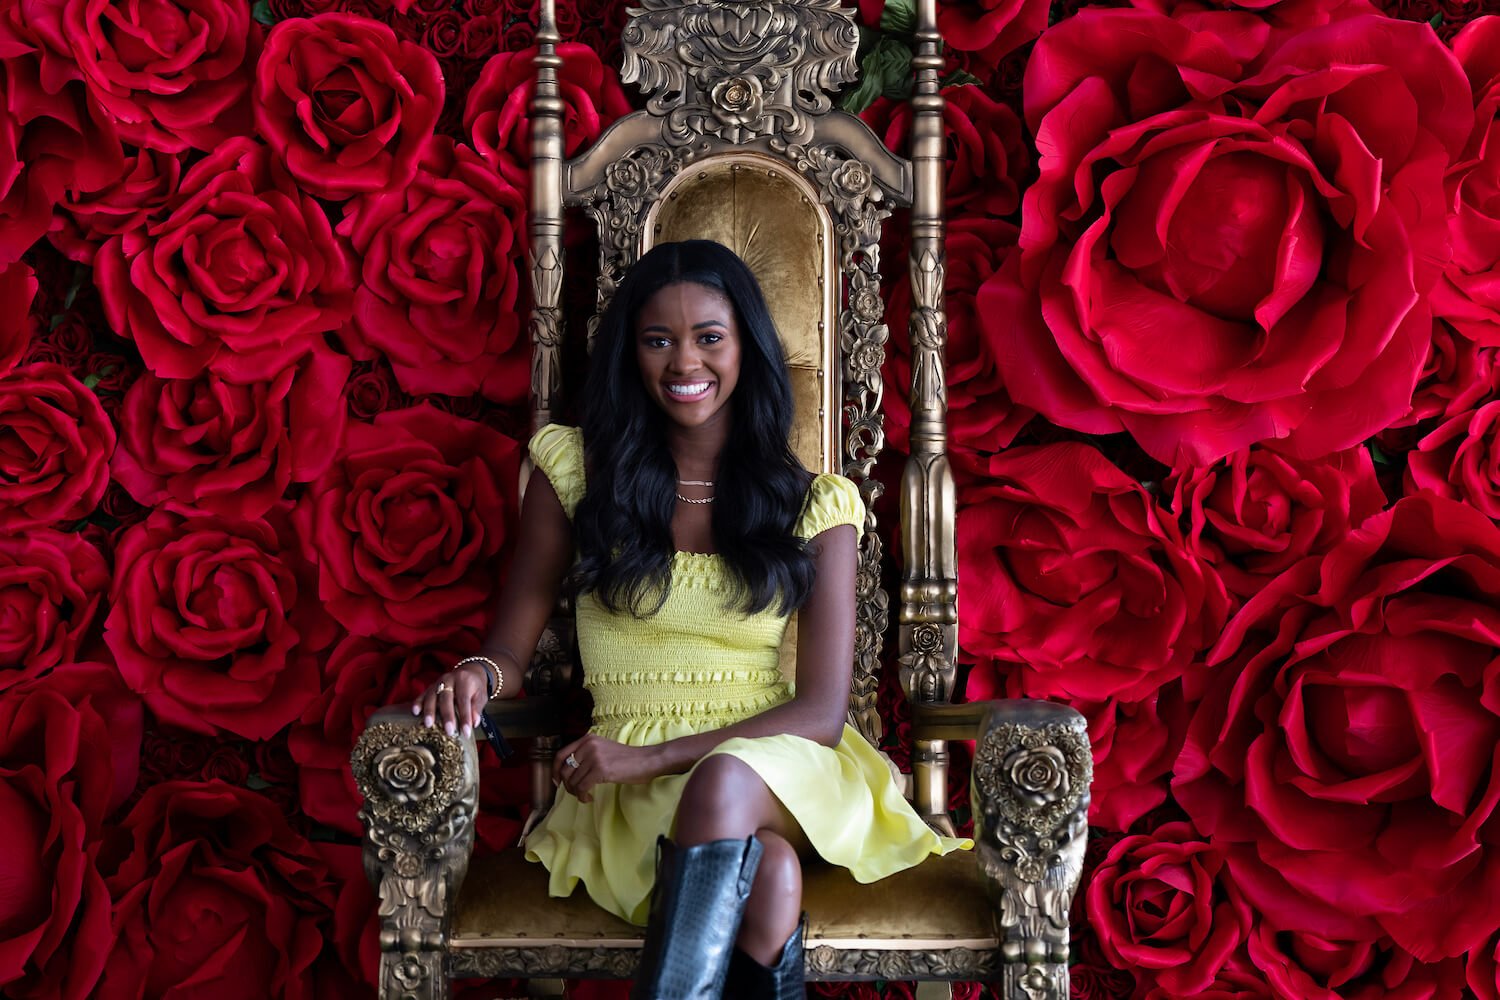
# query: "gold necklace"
692,500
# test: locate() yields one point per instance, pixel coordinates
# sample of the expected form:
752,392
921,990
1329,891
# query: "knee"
714,800
778,880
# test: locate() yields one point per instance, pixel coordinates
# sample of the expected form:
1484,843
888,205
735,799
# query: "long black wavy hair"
623,524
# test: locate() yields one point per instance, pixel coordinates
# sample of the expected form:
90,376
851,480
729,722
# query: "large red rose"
497,108
231,447
992,28
1345,756
1457,375
55,443
1256,513
1162,906
1213,258
1135,744
69,746
350,963
346,104
1237,980
53,136
212,888
51,584
1072,572
1310,966
171,73
407,525
981,419
1295,15
85,219
239,273
1469,294
441,277
17,289
210,625
988,158
1461,459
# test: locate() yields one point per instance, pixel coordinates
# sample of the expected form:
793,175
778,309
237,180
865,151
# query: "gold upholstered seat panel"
941,903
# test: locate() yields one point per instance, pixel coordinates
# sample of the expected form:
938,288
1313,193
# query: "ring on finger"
442,686
571,761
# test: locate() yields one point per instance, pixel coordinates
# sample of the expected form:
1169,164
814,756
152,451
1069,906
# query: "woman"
688,532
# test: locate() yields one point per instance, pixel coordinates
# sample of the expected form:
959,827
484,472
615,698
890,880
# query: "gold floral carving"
544,960
421,789
825,963
1031,775
926,671
739,70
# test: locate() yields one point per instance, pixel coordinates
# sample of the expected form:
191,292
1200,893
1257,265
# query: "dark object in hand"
497,739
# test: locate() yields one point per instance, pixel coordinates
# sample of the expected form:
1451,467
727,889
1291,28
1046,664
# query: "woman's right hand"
455,699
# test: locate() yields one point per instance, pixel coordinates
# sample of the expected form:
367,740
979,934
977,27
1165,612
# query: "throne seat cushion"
937,907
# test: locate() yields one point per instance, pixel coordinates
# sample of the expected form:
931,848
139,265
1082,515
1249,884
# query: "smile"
689,391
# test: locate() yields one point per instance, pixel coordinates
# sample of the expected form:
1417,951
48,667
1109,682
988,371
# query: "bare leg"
726,799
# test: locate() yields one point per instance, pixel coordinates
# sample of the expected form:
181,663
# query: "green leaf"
255,783
959,78
1437,21
885,71
73,290
262,13
89,381
1379,457
899,16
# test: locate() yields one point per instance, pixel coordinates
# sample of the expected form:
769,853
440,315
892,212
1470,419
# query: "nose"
685,358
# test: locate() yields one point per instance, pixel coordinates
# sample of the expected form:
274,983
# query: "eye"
654,341
710,338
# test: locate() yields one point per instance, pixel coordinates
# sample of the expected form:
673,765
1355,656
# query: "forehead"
686,301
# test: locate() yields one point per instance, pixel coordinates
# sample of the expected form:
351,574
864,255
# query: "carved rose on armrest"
414,777
408,773
1039,775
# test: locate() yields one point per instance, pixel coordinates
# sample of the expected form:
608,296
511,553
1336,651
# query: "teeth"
687,390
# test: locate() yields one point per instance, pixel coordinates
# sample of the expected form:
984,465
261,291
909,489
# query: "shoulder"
558,451
831,500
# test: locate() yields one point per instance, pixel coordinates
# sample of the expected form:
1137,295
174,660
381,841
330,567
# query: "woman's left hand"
591,760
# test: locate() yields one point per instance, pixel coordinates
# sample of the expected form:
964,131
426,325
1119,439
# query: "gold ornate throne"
740,142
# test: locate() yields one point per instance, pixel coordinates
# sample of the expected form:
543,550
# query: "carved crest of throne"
740,142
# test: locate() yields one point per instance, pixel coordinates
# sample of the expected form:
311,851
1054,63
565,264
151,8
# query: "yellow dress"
696,666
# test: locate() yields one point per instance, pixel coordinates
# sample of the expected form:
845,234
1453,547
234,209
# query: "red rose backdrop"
1224,300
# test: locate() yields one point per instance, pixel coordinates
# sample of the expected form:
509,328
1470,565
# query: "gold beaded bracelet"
494,677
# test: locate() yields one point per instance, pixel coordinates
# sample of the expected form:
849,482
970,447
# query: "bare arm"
825,661
544,551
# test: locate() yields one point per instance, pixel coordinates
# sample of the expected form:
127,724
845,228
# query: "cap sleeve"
831,500
558,451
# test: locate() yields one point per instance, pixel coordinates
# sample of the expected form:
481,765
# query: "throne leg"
1031,774
421,788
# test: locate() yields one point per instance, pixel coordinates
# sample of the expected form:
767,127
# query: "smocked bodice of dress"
699,663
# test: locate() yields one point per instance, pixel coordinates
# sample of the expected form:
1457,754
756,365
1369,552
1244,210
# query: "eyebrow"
696,326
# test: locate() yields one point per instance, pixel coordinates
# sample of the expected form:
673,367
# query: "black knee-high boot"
749,980
696,907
